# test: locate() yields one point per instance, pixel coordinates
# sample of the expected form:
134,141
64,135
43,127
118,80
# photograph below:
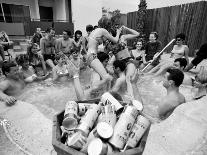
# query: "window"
15,13
46,13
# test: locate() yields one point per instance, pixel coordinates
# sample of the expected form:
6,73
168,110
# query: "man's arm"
4,85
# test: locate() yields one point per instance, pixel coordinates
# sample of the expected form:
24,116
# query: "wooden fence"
190,19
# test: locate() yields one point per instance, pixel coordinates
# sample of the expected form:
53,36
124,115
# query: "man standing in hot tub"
172,80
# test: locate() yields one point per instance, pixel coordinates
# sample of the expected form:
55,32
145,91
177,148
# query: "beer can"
104,130
76,141
123,127
107,98
138,130
109,118
70,120
97,147
138,105
83,107
89,119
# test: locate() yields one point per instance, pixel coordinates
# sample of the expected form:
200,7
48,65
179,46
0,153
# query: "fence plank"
190,19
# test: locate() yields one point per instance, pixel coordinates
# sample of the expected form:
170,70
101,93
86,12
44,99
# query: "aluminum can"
83,107
97,147
123,127
70,120
107,98
89,119
138,131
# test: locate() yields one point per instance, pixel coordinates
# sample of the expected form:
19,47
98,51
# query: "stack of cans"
107,127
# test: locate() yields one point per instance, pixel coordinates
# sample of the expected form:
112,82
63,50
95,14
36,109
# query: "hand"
10,100
118,31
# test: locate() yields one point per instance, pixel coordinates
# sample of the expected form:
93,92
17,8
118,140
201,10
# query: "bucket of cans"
100,128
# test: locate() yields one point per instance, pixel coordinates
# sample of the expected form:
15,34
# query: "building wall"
33,4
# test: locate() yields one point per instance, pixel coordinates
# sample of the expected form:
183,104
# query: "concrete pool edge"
28,127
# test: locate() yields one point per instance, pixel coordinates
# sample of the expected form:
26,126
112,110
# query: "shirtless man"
173,79
65,44
120,83
13,83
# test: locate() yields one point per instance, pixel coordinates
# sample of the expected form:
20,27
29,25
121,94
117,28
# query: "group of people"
115,67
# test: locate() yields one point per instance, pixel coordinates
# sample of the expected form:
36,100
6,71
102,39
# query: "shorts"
197,60
49,56
90,58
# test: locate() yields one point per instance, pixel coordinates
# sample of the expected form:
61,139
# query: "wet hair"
77,32
68,32
48,30
105,23
175,75
6,67
89,28
102,56
22,58
155,34
182,61
120,64
181,36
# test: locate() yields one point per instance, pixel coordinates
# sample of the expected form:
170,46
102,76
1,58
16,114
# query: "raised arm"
133,34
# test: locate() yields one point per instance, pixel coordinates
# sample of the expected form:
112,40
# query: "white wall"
59,9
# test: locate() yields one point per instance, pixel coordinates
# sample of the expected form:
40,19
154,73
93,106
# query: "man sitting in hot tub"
13,83
172,80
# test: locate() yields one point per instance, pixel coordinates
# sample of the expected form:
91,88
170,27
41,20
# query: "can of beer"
89,119
123,127
107,98
108,115
97,147
138,105
104,130
83,107
76,141
70,120
138,130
